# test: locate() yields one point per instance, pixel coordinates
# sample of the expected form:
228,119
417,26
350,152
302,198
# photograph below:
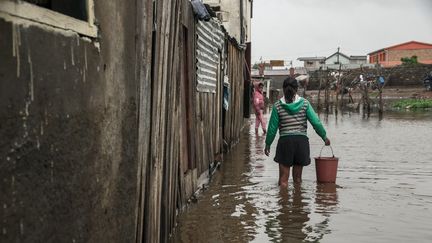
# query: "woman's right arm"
272,127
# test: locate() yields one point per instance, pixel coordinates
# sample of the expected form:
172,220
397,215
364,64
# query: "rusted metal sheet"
277,63
210,41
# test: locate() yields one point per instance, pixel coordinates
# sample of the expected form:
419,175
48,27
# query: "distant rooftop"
278,72
311,58
402,44
270,72
358,57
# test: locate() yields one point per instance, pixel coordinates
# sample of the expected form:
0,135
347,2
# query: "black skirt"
293,150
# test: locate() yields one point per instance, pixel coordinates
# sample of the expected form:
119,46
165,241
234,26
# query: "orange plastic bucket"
326,168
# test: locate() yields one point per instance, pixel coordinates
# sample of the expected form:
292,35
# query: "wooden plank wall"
181,128
144,30
163,166
234,120
208,113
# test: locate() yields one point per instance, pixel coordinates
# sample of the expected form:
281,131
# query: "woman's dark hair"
290,87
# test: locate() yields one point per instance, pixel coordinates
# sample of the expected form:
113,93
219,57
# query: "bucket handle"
323,148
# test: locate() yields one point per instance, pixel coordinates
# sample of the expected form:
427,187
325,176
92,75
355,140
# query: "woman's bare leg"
297,173
283,175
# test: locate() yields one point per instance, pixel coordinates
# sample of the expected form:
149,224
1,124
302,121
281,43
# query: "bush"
409,60
413,103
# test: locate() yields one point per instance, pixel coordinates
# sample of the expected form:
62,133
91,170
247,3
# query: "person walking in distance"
258,101
290,115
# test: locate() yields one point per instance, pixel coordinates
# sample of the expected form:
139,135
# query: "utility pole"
320,74
338,55
338,83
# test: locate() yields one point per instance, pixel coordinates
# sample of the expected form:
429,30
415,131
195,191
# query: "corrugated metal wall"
210,42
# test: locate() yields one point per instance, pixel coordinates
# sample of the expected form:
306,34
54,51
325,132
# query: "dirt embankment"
395,77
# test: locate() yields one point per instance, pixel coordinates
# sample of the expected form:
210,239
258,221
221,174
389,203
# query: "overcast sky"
288,29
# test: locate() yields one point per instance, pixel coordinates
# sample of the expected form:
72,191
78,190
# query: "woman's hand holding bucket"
267,150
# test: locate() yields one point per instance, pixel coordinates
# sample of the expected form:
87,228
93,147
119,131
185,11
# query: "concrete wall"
231,17
248,20
358,61
68,128
232,25
312,64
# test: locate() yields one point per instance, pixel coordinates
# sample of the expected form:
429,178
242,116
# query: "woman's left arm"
315,121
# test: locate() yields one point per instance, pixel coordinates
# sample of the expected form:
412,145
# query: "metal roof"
311,58
358,57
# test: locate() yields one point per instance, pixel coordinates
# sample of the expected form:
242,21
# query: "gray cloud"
287,29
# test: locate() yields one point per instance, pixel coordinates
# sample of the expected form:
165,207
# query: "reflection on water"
383,191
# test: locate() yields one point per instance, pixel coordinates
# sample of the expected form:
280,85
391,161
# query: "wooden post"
338,85
327,94
319,89
144,65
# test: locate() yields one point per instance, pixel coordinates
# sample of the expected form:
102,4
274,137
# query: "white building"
335,61
235,16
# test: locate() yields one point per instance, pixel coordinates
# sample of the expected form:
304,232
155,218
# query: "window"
71,15
73,8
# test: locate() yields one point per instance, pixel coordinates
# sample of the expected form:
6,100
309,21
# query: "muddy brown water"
383,191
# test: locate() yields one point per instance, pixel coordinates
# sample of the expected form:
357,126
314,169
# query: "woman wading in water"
290,115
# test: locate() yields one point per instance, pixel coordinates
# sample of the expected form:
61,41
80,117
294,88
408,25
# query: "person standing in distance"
290,115
259,105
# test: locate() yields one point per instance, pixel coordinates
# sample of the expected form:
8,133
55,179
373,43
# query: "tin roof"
311,58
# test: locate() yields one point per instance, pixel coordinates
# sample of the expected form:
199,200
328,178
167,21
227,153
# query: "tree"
409,60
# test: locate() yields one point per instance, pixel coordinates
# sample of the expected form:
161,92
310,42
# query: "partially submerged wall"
68,128
103,139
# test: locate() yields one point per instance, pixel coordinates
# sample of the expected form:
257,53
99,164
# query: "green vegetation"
409,60
413,104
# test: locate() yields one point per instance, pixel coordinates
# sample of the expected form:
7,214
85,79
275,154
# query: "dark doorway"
73,8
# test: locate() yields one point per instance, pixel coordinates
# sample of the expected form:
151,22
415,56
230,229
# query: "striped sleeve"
272,126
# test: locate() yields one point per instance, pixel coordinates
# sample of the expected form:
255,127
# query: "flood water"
383,191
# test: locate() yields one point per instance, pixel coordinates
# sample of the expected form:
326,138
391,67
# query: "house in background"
335,61
339,57
312,63
277,76
391,56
